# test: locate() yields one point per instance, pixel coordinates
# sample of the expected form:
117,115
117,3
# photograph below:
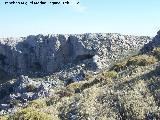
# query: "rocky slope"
48,54
80,77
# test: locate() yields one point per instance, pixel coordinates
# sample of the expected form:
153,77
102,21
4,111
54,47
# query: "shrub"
4,118
156,52
137,102
107,77
64,93
88,76
88,85
37,103
14,102
75,86
141,60
110,74
52,100
119,66
30,114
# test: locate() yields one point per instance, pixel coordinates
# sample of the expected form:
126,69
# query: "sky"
134,17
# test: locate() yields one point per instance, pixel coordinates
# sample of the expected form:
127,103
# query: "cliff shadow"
155,42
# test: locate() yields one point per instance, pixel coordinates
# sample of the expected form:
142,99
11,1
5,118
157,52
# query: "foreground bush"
52,100
138,103
4,118
141,60
30,114
37,103
75,86
119,66
110,74
156,52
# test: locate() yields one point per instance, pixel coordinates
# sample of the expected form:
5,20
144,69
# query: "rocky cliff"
48,54
76,89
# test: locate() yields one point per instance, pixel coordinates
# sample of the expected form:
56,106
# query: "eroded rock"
48,54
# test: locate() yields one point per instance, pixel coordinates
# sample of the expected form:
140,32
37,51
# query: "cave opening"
3,93
2,59
83,57
36,66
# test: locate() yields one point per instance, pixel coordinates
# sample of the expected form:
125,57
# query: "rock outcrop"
69,58
24,89
48,54
152,44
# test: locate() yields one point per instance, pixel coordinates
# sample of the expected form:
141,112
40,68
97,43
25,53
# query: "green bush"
156,52
107,77
30,114
110,74
138,60
39,103
75,86
64,93
4,118
137,101
52,100
14,102
88,76
119,66
141,60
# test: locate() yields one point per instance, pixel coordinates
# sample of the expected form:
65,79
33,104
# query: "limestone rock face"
24,89
48,54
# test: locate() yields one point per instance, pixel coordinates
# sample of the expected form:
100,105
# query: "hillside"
80,77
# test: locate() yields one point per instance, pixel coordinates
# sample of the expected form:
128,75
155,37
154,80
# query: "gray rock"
4,106
21,93
48,54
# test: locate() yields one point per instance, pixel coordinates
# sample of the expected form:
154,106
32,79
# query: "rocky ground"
127,90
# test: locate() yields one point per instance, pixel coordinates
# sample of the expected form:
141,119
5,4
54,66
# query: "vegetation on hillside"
130,90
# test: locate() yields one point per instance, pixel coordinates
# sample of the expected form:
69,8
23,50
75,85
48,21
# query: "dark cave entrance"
2,59
83,57
36,66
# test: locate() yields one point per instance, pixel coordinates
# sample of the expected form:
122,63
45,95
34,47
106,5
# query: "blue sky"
136,17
